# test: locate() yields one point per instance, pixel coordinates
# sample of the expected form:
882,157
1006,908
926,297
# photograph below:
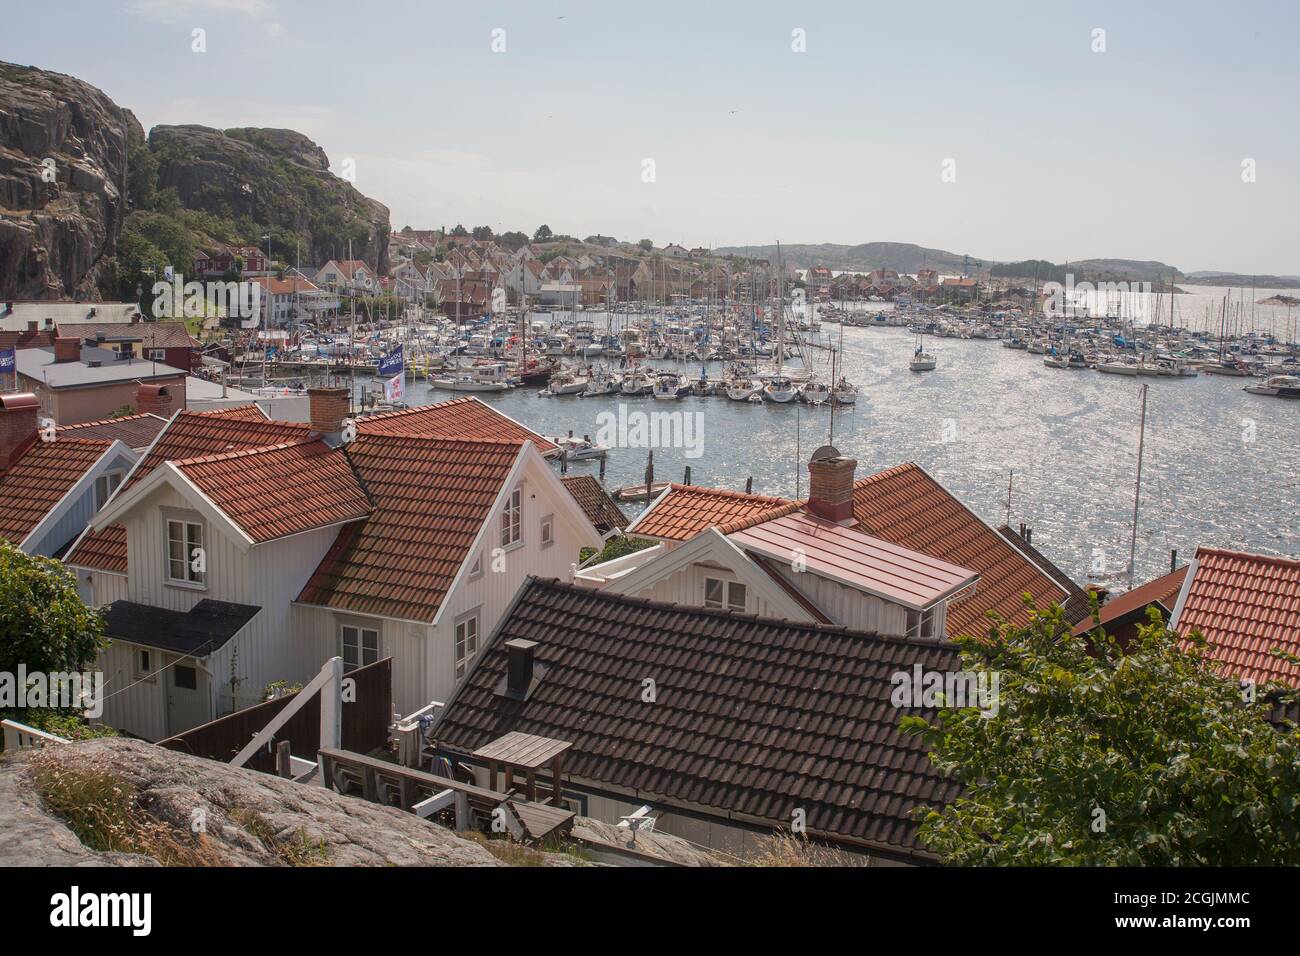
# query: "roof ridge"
836,629
727,492
1264,558
111,421
244,452
779,511
442,439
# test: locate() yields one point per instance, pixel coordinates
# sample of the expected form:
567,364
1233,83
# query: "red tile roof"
282,489
45,473
902,505
135,431
1246,605
905,505
190,435
467,419
431,496
1163,591
686,510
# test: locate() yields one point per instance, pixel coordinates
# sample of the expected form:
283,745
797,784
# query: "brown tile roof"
137,432
431,496
1077,605
1163,591
190,435
1246,605
592,498
281,489
686,510
905,505
752,717
467,419
45,473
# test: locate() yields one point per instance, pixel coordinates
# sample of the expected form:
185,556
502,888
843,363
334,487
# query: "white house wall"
847,606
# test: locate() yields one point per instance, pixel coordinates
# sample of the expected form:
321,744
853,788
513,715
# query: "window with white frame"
144,665
476,569
105,485
511,519
466,643
548,531
359,646
729,595
920,624
156,355
186,561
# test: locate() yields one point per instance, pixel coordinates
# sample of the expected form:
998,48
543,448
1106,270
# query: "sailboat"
922,361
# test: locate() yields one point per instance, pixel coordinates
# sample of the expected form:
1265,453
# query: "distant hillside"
909,257
1237,280
899,256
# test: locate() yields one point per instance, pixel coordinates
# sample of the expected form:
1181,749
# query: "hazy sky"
1060,152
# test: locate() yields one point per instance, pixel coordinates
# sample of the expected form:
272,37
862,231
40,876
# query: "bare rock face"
63,164
241,810
276,178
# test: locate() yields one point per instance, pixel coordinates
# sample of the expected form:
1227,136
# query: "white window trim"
461,665
546,524
142,673
516,524
186,519
360,627
107,477
726,586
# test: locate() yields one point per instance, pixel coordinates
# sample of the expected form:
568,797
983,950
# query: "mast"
1137,489
780,312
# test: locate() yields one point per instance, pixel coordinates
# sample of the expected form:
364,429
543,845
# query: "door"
188,704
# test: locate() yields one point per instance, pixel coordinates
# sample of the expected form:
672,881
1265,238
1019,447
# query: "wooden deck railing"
21,737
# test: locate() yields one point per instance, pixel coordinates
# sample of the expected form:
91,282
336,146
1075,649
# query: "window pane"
712,592
186,678
736,596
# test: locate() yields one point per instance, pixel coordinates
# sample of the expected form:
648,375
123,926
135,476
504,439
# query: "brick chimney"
18,414
153,399
830,485
329,406
67,349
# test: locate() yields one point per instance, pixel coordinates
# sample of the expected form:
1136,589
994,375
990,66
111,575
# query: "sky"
1166,129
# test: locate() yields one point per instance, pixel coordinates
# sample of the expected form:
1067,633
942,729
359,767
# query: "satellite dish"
825,452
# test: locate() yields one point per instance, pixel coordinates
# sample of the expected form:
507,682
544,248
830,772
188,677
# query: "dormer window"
105,485
920,624
724,595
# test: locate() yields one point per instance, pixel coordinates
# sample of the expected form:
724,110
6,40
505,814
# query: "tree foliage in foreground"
1144,758
44,625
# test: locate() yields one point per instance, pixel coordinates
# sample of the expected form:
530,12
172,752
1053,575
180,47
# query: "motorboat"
579,449
1277,386
565,383
741,389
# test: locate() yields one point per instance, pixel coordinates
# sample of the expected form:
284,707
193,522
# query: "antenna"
1010,477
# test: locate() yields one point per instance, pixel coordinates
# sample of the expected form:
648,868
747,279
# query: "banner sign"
391,364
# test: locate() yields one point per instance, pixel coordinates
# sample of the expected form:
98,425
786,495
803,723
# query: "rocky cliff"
277,180
63,170
87,204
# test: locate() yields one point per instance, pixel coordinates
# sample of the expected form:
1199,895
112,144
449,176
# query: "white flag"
395,387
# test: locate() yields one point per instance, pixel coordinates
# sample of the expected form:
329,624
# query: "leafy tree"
43,623
459,230
513,240
542,234
482,233
645,245
1097,756
141,175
